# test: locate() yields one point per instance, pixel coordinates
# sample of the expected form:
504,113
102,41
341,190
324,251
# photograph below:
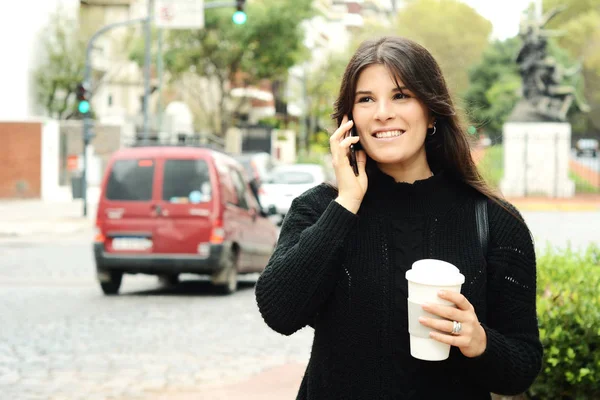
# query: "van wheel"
112,286
168,279
232,275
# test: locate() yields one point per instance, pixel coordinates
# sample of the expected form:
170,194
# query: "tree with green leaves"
213,61
323,85
579,23
494,87
61,69
454,32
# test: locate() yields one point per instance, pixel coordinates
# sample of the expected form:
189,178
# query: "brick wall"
20,159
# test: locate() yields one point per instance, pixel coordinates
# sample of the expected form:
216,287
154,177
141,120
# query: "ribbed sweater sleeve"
305,264
513,355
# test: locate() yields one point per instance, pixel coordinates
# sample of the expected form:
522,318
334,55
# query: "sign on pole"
179,14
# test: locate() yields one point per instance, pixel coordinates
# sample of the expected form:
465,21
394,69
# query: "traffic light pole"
87,79
87,82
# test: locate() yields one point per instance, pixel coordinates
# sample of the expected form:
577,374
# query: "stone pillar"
536,159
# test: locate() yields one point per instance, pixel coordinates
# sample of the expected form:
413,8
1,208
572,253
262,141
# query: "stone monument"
537,138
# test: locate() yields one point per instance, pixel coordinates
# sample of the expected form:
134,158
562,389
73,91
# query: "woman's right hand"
351,188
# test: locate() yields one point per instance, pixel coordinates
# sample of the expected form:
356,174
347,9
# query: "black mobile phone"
354,148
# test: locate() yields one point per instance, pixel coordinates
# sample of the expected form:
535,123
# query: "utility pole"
159,71
147,63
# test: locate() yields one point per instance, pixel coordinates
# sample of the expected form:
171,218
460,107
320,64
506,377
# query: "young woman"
343,252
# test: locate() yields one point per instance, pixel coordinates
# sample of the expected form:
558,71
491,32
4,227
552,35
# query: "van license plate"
131,244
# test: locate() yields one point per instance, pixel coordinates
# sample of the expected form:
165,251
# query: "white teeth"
388,134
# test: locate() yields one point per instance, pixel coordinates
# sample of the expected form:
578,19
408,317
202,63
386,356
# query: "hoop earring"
434,130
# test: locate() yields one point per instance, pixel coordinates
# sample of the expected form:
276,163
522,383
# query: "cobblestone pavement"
60,338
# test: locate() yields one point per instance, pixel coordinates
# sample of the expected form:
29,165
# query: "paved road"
579,229
60,338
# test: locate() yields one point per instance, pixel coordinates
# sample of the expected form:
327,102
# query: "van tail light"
217,236
262,191
98,235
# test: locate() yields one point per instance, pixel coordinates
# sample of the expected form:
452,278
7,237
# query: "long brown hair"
448,149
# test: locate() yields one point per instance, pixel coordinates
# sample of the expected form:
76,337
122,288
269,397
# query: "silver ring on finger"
456,328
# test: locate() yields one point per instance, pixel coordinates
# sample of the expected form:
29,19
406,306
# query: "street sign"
179,14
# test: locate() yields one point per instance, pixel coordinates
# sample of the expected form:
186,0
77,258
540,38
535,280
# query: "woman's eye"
401,96
365,99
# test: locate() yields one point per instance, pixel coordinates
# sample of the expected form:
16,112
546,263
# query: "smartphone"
354,147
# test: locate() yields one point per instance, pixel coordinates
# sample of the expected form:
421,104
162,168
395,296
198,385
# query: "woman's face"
391,122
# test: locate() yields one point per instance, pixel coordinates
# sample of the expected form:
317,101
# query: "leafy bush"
568,306
491,165
582,185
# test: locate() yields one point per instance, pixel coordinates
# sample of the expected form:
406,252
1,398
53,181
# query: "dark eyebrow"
400,89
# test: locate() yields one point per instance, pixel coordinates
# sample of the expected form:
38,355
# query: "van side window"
186,181
131,180
240,188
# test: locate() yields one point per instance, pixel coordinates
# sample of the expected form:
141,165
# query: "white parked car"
587,147
286,182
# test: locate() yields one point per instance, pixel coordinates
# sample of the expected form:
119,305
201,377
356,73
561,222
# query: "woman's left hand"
471,340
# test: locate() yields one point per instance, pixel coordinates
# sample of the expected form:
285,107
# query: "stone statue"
545,98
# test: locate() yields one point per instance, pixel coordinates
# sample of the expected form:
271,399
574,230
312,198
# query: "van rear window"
186,181
131,180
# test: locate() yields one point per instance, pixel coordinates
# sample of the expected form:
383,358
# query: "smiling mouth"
388,134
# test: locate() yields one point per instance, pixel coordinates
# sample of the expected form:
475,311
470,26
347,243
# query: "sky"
504,15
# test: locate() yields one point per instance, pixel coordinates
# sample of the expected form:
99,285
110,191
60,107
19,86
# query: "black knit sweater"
344,275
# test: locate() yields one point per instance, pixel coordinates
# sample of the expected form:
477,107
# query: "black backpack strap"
483,229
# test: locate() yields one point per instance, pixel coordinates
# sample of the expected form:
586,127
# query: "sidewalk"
279,383
579,202
20,218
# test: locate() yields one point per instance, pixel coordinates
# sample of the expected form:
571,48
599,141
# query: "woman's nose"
384,111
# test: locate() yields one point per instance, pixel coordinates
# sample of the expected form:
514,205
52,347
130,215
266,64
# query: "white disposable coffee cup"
426,278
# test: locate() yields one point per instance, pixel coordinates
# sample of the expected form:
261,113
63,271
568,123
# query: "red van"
170,210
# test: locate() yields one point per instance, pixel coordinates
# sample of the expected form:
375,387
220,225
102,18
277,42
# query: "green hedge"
491,165
568,305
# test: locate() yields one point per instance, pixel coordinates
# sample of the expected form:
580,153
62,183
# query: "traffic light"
83,98
240,17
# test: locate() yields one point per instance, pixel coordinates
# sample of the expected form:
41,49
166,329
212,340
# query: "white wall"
536,159
124,79
283,150
21,22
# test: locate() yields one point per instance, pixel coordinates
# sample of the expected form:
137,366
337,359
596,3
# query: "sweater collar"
431,196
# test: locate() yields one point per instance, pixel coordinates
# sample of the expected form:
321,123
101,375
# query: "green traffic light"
84,106
239,17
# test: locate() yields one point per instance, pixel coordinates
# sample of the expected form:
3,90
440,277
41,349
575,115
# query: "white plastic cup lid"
435,273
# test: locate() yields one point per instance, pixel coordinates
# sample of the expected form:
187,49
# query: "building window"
110,100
